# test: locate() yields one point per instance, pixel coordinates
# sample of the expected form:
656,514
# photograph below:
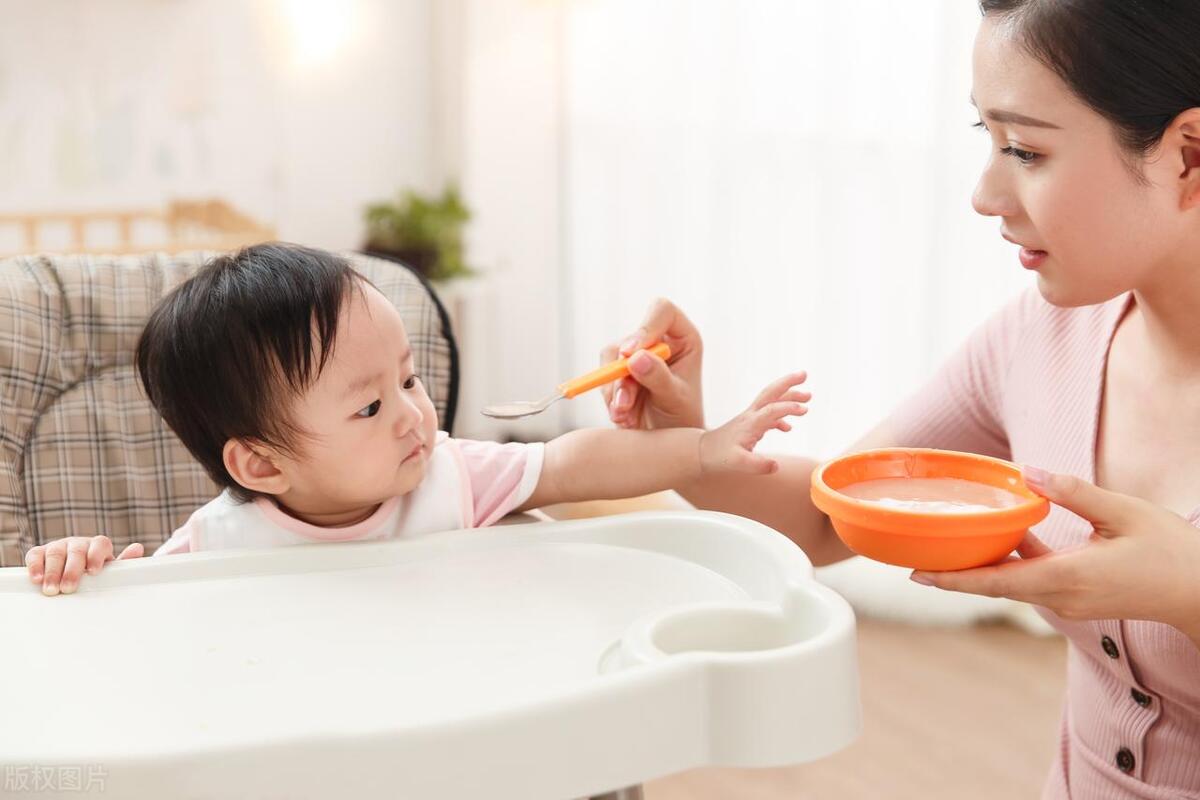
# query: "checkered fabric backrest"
82,451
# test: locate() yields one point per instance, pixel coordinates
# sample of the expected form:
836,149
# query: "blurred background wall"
796,175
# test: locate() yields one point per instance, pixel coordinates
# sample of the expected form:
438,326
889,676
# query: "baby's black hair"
224,352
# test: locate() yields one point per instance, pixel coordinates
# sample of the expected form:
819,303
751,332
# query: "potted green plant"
424,232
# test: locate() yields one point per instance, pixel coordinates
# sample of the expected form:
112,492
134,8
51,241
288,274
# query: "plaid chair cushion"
82,452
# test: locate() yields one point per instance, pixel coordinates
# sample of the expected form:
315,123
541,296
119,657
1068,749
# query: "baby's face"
370,422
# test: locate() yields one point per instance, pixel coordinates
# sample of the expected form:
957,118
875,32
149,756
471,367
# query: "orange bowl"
925,539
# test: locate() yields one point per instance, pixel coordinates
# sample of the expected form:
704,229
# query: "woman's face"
1065,190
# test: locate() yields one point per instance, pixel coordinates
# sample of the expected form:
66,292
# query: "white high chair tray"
550,660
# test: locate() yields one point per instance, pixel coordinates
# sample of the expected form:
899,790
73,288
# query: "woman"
1093,107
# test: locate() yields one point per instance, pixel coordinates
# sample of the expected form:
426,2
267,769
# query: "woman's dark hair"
223,353
1136,62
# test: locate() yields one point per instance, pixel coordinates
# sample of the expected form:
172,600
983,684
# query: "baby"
290,378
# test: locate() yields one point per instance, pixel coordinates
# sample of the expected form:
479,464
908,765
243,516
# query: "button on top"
1125,760
1110,647
1141,698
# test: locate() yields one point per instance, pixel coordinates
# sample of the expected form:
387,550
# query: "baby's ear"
253,466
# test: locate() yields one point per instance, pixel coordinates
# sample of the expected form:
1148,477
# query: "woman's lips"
1032,259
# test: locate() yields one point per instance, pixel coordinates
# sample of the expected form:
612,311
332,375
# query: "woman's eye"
371,410
411,382
1024,156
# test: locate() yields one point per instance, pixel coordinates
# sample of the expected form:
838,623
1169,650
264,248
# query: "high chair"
549,660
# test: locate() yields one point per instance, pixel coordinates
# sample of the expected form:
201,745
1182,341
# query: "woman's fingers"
620,396
1032,547
608,354
1107,511
664,320
657,395
626,396
652,373
1030,580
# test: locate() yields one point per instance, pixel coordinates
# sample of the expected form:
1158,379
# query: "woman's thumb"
1098,506
653,373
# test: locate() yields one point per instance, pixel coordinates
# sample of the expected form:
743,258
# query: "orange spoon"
612,371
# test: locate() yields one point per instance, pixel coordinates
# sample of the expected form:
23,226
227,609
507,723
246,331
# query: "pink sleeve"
962,406
184,540
501,476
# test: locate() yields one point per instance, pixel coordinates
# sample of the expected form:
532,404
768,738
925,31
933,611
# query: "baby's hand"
730,448
58,565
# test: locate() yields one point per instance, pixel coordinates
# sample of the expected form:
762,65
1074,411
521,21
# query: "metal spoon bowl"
520,408
612,371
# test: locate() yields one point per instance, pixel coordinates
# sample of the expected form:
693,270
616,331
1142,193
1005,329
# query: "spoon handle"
614,370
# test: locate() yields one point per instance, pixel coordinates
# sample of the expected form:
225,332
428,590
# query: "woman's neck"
1169,311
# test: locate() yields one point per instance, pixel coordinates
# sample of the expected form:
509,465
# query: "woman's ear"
254,467
1186,128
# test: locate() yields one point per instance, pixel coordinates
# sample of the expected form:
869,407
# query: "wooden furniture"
183,225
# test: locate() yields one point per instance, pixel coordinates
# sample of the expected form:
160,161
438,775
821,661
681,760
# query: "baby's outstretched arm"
597,464
58,565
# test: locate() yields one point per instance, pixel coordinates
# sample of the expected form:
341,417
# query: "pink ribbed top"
1027,387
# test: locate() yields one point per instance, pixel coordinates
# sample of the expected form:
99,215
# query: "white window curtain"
797,176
